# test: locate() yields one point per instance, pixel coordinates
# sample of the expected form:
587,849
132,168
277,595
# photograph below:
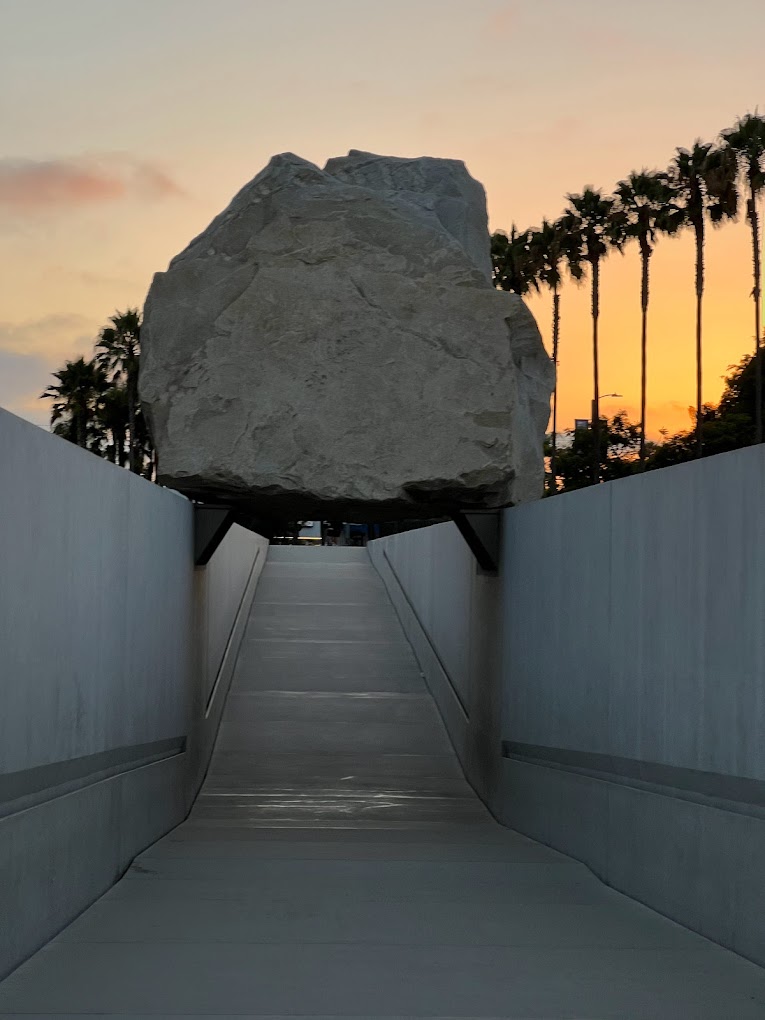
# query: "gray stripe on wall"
237,630
669,779
428,638
44,782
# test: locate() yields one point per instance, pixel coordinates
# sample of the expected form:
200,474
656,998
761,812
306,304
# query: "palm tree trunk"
132,438
699,230
554,444
119,439
148,464
645,255
754,220
595,373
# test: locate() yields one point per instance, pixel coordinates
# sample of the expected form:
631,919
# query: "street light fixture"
603,396
596,418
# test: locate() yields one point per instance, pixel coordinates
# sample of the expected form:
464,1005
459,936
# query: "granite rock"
331,345
440,190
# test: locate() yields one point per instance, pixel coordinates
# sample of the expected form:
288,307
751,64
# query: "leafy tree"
747,142
118,350
76,396
729,426
645,202
617,452
703,180
740,394
590,220
552,249
720,435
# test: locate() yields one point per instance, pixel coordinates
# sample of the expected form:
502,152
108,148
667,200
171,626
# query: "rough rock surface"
440,190
331,345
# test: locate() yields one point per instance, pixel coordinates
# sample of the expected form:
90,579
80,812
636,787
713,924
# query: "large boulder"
440,190
331,345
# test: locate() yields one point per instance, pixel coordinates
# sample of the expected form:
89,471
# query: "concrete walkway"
336,863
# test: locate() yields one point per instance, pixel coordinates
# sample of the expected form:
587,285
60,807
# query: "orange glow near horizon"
728,330
104,177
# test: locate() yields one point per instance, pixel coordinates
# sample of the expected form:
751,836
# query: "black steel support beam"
211,523
480,529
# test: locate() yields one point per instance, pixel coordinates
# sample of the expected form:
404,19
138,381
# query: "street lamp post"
595,431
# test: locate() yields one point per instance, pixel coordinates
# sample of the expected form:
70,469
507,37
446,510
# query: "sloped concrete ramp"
337,864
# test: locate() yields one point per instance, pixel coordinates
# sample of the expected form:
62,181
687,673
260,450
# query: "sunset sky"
128,124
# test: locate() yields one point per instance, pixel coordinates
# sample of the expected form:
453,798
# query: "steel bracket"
211,524
481,531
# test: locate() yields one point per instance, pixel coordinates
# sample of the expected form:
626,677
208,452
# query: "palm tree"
704,187
512,264
591,220
118,350
112,414
81,385
551,250
746,140
645,204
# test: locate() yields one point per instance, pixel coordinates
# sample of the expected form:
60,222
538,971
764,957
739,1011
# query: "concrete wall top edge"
34,439
705,470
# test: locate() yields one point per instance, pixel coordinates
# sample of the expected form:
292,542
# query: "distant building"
310,532
562,440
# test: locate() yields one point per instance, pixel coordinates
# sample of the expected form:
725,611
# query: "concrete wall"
449,612
625,640
111,645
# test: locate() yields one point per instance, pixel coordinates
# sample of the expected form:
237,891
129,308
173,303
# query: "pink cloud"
47,337
28,185
502,21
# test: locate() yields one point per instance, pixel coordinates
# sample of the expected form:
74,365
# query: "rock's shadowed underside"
331,345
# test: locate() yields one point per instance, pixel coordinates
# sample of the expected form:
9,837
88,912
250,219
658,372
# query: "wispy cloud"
502,20
95,280
34,186
54,336
22,380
